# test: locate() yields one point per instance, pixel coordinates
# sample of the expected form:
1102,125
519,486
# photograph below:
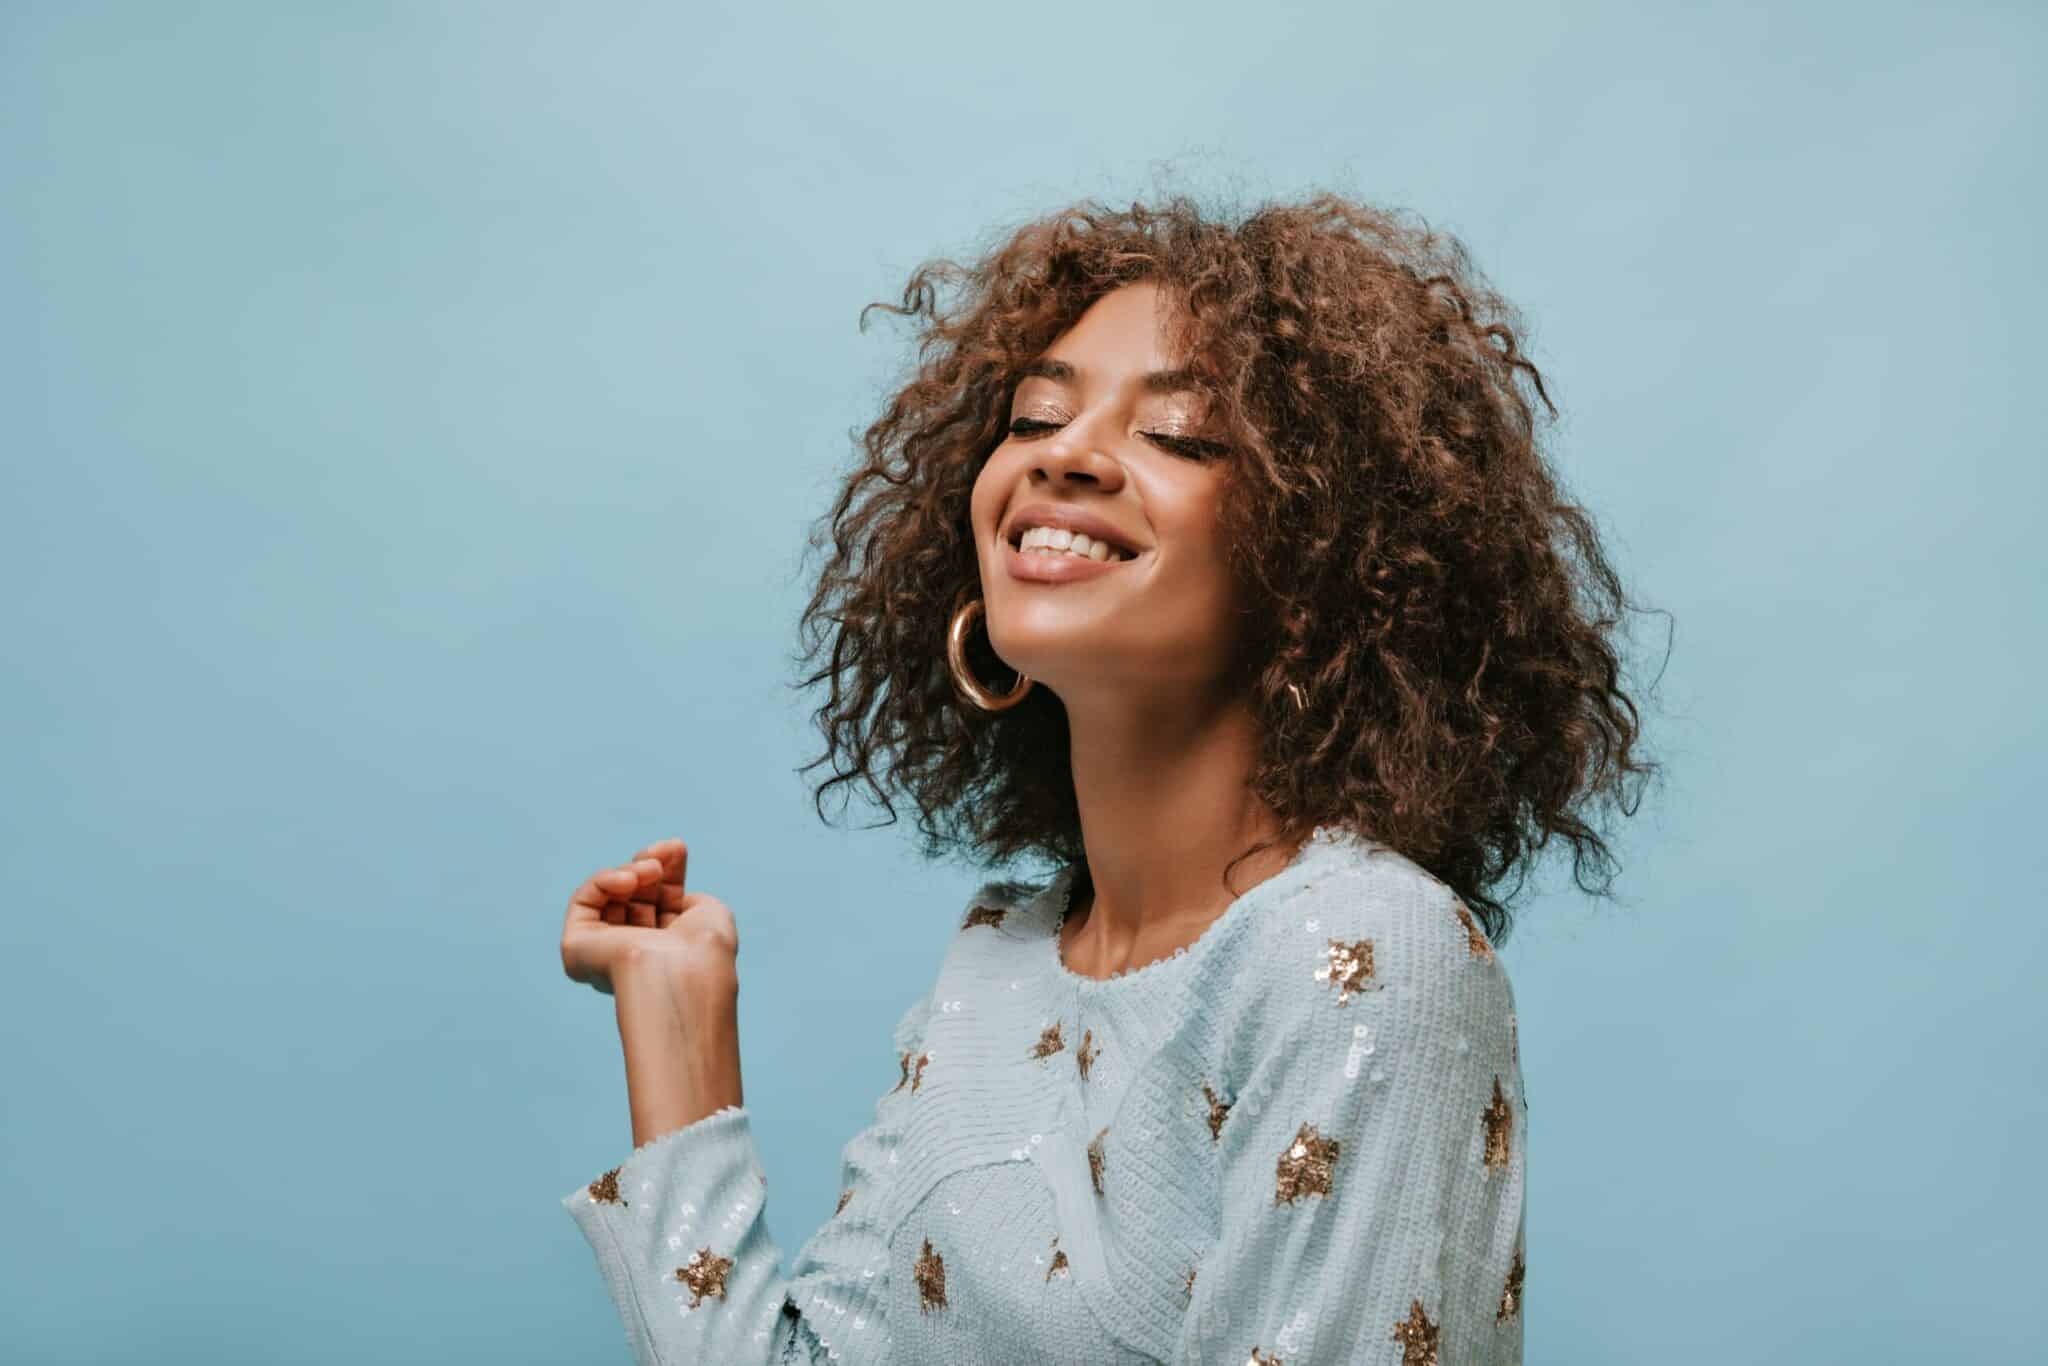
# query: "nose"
1074,457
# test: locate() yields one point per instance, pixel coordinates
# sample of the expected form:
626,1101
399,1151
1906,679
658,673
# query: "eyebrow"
1152,382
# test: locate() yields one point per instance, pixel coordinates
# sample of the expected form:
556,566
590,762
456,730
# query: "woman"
1217,564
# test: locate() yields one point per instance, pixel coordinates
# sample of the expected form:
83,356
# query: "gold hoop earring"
964,681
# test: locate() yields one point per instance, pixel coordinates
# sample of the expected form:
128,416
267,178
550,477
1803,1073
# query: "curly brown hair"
1444,613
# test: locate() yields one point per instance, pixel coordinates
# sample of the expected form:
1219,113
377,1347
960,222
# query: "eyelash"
1193,447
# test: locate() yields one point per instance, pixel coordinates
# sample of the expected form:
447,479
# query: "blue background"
412,416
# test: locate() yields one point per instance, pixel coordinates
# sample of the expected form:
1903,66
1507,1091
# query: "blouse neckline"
1060,894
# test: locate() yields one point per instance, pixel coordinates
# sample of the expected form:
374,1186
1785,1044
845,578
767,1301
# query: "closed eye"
1194,446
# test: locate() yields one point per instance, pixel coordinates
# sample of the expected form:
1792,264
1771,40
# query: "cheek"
985,501
1189,529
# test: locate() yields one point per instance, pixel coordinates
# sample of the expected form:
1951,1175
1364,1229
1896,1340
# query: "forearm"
676,1227
680,1036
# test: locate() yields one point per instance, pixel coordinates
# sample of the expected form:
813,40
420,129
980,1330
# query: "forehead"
1120,340
1168,381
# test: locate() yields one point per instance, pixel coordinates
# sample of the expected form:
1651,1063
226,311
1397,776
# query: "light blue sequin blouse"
1299,1140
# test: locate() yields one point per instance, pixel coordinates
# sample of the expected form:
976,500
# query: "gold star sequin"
1259,1358
1049,1041
1083,1057
1511,1293
1059,1259
844,1196
1499,1120
606,1188
1349,968
992,916
931,1280
905,1060
1095,1160
1473,938
1417,1336
1218,1108
705,1275
1304,1169
917,1077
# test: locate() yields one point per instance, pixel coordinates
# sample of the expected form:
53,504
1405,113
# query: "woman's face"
1100,434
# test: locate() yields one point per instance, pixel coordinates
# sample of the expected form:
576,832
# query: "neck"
1164,808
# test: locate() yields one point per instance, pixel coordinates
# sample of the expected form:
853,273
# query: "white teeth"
1058,541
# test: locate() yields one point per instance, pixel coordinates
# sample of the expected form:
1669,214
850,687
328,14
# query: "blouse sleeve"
689,1263
1371,1164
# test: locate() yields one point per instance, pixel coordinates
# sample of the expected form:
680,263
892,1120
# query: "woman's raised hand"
637,915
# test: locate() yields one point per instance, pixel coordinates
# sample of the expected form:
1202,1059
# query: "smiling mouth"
1040,542
1053,568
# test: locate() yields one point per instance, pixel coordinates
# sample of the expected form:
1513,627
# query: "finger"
675,859
666,850
641,905
601,898
646,880
602,886
629,882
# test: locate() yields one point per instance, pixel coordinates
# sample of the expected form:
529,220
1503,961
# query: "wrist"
679,1029
689,981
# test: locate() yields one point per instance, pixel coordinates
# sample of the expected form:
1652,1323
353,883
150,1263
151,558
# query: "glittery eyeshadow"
1085,1056
606,1188
705,1275
1417,1336
1218,1109
1349,968
930,1273
1511,1293
1305,1167
1499,1121
1049,1041
1095,1159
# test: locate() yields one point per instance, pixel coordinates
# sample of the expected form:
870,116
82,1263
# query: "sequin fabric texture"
704,1275
1085,1057
931,1279
1349,968
984,915
1299,1140
1306,1168
1418,1337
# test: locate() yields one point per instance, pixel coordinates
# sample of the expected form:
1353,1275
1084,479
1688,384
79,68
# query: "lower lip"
1040,567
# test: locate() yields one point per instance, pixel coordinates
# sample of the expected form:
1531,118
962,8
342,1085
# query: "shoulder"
1370,945
1419,929
1001,903
997,919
